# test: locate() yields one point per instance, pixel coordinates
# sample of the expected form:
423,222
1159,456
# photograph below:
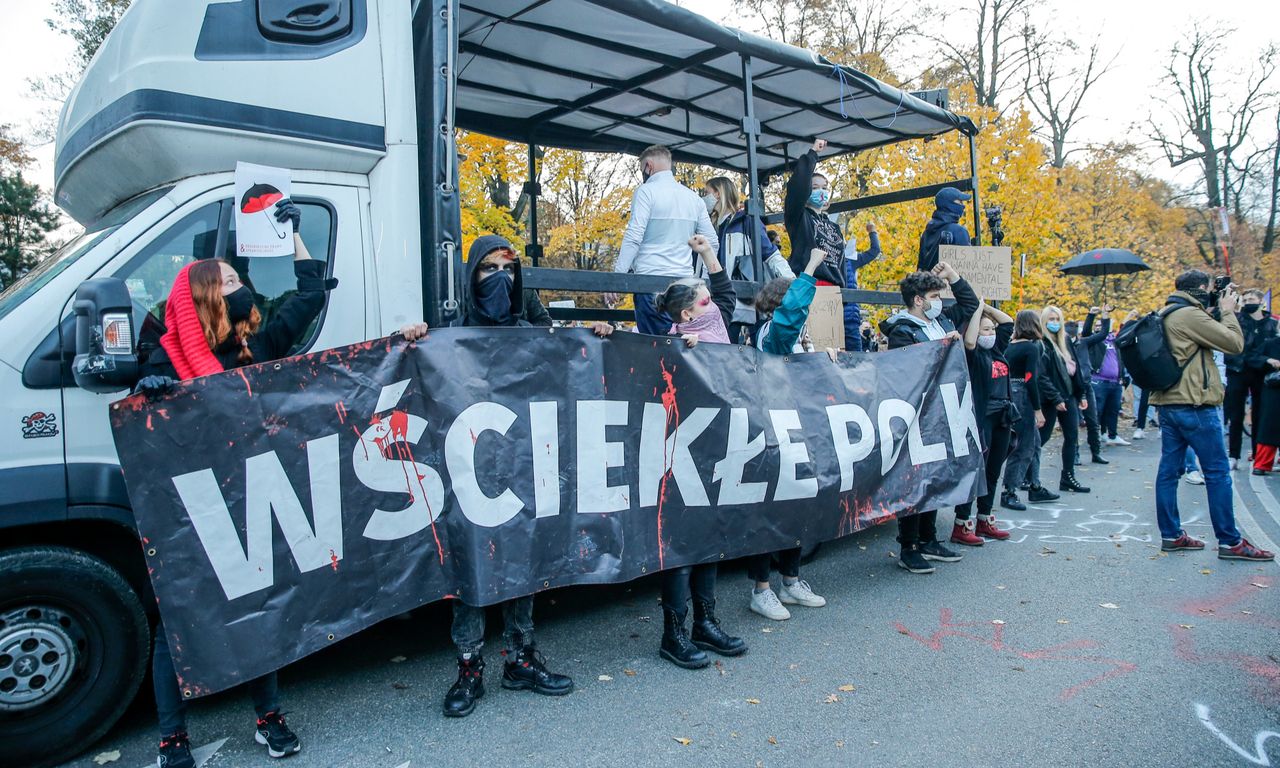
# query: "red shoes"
963,533
987,528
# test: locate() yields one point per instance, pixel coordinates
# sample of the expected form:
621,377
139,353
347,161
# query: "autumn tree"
25,220
990,42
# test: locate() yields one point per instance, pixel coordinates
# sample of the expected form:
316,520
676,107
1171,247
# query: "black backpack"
1145,352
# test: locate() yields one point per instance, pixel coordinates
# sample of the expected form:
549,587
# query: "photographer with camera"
1189,415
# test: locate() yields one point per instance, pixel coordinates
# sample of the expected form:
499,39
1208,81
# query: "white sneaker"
1234,464
800,594
1138,434
1118,440
766,604
1193,477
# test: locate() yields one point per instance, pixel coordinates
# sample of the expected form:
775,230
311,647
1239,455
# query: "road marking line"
1243,515
1259,487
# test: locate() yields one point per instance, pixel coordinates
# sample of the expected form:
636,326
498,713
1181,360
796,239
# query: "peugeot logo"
25,665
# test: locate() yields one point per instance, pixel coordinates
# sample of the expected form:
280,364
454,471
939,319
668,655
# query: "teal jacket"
790,316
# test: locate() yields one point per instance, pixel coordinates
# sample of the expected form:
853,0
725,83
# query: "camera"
1220,284
995,224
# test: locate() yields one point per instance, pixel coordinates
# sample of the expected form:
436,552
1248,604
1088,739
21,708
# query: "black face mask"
1200,295
239,304
1249,309
493,298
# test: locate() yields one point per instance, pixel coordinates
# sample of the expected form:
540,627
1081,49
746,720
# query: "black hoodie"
471,312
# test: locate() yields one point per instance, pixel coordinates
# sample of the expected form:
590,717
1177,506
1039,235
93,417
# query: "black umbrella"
1101,262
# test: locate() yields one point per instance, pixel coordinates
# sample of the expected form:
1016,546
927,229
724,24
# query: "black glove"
152,386
287,211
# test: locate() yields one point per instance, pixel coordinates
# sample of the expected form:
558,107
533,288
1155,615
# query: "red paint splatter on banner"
363,444
333,561
245,379
149,427
341,408
584,353
671,428
398,436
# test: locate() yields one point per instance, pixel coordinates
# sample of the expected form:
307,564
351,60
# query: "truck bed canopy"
620,75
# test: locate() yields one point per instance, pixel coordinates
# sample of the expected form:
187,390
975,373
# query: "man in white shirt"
664,215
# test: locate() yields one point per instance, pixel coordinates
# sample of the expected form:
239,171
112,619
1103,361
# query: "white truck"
361,98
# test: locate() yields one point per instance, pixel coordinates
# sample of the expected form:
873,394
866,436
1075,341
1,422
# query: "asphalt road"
1074,643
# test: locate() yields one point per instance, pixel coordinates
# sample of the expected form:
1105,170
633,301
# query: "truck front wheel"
73,651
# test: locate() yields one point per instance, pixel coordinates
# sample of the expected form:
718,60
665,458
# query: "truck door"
204,228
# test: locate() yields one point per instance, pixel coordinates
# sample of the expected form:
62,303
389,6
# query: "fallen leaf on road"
605,679
1259,584
767,630
1247,613
773,741
107,757
1187,626
862,547
629,672
1205,571
753,701
400,686
682,740
733,734
846,688
831,699
1107,605
720,668
1019,669
903,631
397,659
1001,586
997,621
1063,621
839,745
793,666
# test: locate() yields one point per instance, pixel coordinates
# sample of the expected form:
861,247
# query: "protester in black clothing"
1023,355
985,339
701,312
1245,372
1062,394
494,297
944,227
1086,348
925,319
1109,381
804,214
1266,427
213,325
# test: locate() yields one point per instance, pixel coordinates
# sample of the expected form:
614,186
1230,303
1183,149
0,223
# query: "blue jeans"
1200,429
1107,396
648,319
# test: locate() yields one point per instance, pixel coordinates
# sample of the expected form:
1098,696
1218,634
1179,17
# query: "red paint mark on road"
1225,606
996,642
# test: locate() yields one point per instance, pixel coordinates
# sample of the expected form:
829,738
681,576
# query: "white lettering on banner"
460,457
960,418
544,435
728,471
658,455
890,447
267,492
596,455
790,457
847,453
380,472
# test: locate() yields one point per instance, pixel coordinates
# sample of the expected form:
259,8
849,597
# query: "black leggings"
697,581
996,439
1070,422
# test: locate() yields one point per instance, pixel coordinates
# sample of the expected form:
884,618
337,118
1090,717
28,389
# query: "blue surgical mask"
818,198
1053,327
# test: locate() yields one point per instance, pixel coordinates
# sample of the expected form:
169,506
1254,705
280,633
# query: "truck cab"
146,147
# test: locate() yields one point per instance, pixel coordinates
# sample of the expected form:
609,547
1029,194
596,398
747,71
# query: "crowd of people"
1030,374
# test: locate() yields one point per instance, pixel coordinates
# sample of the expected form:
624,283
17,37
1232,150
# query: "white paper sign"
258,189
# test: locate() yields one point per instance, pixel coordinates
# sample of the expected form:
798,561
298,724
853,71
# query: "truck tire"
74,643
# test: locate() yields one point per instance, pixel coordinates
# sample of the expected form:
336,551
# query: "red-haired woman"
212,325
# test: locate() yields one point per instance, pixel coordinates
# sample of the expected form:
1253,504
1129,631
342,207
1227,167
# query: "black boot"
1069,483
527,672
469,687
1097,458
676,646
1009,500
707,633
1039,493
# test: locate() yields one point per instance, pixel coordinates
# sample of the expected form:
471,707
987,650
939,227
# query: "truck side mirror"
105,360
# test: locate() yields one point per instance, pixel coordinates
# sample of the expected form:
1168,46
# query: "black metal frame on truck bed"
620,75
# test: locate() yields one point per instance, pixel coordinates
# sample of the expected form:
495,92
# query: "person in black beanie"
944,228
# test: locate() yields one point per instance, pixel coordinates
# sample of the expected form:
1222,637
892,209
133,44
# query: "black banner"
287,505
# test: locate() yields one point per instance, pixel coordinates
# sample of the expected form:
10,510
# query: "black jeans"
171,708
915,530
1107,396
1144,404
1091,420
759,566
517,625
995,441
1026,441
697,581
1241,385
1070,421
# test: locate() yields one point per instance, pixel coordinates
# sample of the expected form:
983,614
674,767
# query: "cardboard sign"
258,189
826,319
987,268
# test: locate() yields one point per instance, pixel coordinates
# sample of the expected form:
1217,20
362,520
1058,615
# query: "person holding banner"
926,319
494,296
780,337
213,325
985,339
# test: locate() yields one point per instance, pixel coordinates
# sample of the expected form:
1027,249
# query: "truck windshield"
49,268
